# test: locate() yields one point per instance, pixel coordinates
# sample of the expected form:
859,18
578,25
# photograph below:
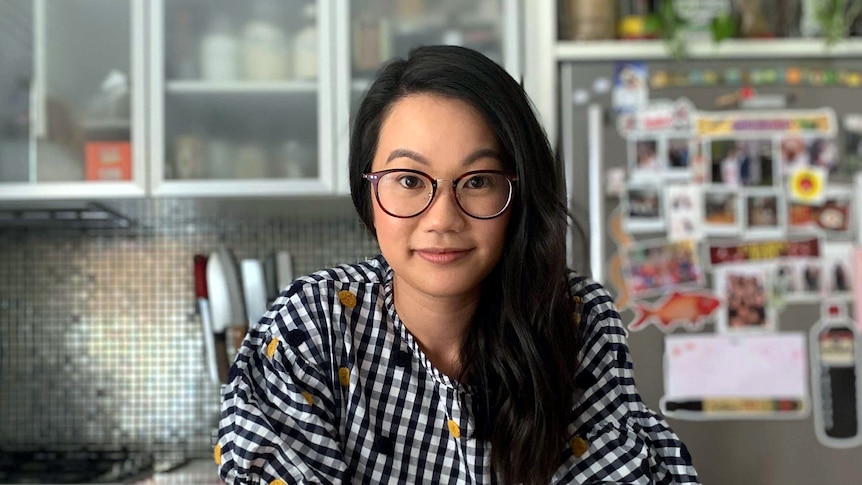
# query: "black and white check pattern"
330,387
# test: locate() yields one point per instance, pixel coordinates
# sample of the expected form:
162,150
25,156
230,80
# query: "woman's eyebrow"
469,159
405,153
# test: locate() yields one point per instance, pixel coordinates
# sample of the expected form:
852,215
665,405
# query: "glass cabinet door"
378,30
70,98
240,93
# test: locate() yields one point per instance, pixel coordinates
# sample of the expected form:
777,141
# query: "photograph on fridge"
721,211
643,208
644,158
764,213
797,280
851,158
742,162
785,281
838,272
655,267
747,298
679,150
683,209
797,151
832,217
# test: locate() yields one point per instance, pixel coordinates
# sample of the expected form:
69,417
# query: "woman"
466,352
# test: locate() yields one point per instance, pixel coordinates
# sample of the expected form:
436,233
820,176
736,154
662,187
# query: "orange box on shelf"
108,160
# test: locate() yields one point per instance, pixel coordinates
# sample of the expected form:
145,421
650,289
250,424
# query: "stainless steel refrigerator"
600,160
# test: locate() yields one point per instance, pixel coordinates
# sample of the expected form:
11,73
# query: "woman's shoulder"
311,301
370,271
594,305
589,292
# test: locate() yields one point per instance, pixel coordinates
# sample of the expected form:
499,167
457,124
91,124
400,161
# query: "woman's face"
442,252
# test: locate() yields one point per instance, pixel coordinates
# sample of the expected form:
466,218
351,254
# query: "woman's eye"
477,182
410,181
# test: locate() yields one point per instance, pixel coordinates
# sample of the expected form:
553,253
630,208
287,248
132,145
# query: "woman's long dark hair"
521,353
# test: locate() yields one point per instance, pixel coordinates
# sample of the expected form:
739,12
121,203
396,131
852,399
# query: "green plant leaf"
723,27
652,24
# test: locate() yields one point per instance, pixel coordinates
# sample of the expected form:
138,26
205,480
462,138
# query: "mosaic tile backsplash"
101,345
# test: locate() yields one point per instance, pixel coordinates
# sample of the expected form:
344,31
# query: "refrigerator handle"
595,169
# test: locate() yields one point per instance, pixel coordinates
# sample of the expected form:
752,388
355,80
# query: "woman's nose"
444,214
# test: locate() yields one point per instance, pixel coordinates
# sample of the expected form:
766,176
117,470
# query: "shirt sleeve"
277,416
615,437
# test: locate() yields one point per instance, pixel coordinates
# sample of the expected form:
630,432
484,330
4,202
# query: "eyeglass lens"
406,194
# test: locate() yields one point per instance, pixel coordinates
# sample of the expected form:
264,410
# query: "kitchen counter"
196,472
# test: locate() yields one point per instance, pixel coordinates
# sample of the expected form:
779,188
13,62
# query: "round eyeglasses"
481,194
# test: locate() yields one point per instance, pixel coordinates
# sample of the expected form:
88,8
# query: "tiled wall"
100,342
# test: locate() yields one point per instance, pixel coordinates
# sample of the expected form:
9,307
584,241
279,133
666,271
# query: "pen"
735,405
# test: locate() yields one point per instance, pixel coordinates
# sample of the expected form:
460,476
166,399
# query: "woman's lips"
441,256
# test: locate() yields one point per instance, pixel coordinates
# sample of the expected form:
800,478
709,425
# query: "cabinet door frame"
93,190
323,184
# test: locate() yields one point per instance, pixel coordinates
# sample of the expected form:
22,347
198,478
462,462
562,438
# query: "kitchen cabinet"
208,98
241,98
71,99
226,132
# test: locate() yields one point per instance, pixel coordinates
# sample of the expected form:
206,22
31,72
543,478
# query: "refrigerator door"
755,451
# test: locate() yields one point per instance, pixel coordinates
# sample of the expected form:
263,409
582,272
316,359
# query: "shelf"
728,49
241,87
113,124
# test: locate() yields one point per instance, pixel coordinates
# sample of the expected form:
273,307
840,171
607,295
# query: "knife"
203,306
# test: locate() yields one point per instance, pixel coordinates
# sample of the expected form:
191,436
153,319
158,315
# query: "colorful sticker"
712,376
835,358
631,90
767,250
806,185
679,309
616,266
813,123
658,117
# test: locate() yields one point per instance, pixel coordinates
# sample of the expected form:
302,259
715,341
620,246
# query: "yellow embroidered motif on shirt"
579,446
308,397
217,454
347,298
344,376
278,481
576,315
270,349
454,430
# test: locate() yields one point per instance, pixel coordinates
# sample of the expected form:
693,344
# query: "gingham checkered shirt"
330,387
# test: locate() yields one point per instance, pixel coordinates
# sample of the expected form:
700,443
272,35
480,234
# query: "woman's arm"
277,418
